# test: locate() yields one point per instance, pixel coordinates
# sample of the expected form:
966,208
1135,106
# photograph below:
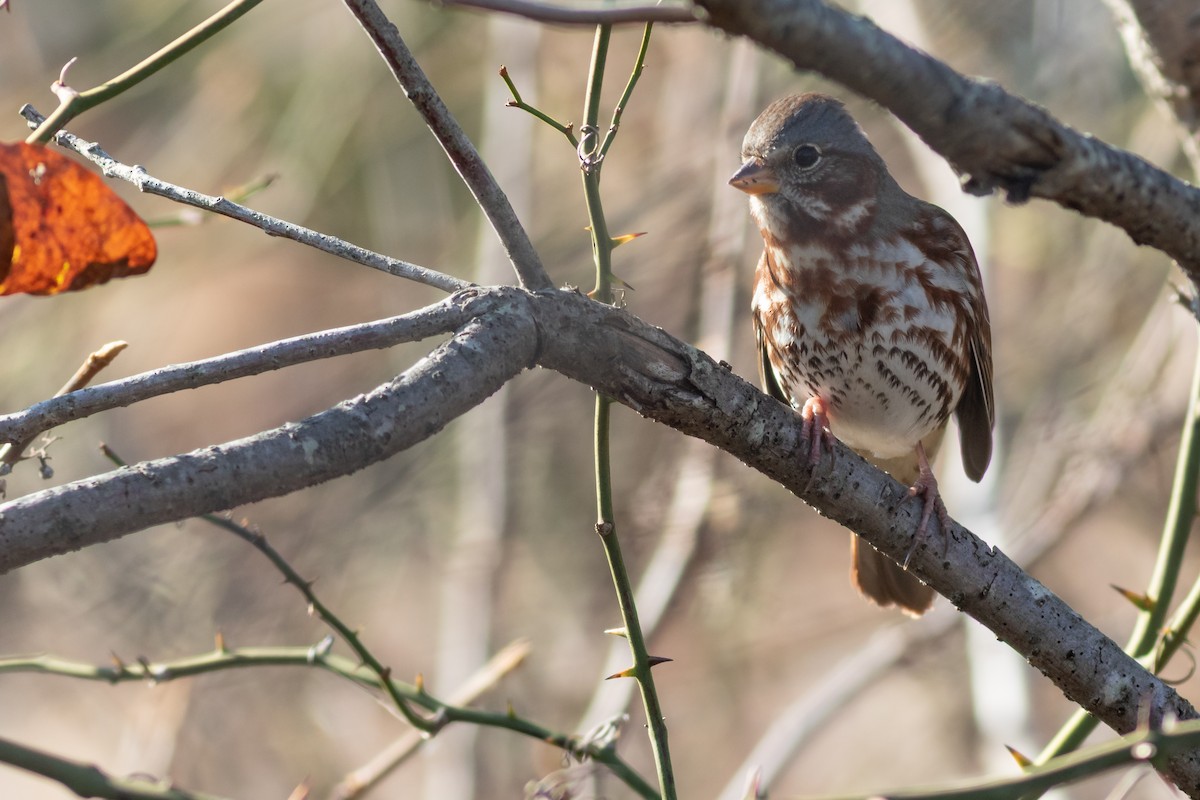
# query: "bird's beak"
755,177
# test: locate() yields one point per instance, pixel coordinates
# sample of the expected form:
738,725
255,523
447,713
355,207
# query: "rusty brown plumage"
869,311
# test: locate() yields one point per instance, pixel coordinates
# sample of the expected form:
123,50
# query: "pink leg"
816,429
926,485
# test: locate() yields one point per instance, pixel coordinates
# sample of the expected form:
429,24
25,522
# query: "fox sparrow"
868,312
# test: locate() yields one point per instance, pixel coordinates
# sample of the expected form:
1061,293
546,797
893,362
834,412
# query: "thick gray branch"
996,139
455,377
662,378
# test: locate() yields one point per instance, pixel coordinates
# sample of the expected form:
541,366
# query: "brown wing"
976,411
946,244
766,373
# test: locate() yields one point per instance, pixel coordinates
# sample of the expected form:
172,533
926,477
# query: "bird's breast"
863,329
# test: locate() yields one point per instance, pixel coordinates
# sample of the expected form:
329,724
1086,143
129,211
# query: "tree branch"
994,139
662,378
576,15
272,226
458,147
455,377
25,425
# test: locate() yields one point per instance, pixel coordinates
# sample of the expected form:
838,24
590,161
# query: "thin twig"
577,15
430,321
462,154
11,451
355,783
73,103
317,656
269,225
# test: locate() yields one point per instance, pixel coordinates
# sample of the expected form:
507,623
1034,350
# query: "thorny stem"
72,103
316,607
1152,640
591,161
401,694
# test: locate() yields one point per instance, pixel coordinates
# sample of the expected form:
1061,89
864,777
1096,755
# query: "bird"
869,313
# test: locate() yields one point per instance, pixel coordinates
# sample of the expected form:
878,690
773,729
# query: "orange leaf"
61,228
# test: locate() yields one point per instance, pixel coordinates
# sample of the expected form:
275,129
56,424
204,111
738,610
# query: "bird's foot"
816,432
926,486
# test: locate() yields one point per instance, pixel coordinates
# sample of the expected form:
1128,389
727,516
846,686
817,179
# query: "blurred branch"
24,426
578,15
269,225
73,103
88,780
318,656
994,139
486,677
1161,43
315,607
660,377
462,154
1146,746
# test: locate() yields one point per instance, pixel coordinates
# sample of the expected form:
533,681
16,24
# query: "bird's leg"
926,485
816,429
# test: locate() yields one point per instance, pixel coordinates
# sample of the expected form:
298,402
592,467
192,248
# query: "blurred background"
484,534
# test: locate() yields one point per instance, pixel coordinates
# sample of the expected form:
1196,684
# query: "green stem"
319,657
638,64
1145,638
519,102
88,780
590,161
72,104
367,670
642,662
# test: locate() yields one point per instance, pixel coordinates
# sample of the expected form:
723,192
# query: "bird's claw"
816,432
926,485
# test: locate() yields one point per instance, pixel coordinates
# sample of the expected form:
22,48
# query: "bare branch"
23,426
12,452
396,415
269,225
995,139
454,141
662,378
576,15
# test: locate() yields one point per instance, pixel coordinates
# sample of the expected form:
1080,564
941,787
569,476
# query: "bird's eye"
806,156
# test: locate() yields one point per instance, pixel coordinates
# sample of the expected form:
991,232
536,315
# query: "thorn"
419,683
1023,761
617,241
624,634
1141,602
302,791
220,642
652,661
509,709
